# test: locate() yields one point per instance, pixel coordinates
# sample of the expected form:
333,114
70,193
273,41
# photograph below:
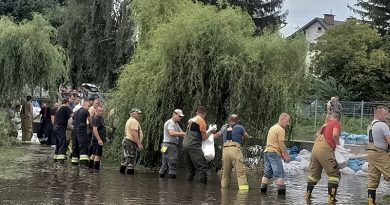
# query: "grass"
304,129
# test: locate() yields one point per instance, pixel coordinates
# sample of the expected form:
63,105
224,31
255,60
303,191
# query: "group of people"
89,135
72,125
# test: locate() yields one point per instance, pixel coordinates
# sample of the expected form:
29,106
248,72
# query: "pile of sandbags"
354,138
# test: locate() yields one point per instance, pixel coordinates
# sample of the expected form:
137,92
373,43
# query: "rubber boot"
282,189
309,190
190,177
84,162
263,188
371,197
171,176
91,164
332,191
203,178
130,171
96,165
75,161
122,169
162,175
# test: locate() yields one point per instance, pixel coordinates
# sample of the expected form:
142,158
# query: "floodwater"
41,181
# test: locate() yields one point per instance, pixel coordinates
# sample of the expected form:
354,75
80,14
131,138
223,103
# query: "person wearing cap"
131,142
232,136
274,152
172,132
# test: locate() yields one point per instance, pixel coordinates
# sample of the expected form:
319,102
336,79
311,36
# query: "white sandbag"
342,156
360,173
304,164
347,171
208,148
292,168
365,167
303,155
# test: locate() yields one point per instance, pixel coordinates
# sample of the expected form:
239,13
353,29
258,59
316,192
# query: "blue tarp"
293,152
353,138
355,164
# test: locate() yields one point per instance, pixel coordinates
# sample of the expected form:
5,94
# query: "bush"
8,132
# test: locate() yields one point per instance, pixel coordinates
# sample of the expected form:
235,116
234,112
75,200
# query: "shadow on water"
46,182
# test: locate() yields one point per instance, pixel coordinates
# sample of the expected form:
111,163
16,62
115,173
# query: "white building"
317,27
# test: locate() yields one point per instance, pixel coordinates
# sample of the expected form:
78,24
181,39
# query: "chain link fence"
351,109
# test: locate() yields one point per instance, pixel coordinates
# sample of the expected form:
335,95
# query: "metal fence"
354,109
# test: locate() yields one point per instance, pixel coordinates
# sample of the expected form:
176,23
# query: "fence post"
315,114
361,115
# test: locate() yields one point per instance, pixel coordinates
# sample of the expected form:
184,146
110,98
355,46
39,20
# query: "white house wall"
312,33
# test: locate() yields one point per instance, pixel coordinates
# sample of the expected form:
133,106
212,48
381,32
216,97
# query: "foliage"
375,12
7,130
96,36
264,13
324,89
351,54
199,55
23,9
28,57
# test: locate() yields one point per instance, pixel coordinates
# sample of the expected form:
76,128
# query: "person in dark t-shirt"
60,124
81,139
98,139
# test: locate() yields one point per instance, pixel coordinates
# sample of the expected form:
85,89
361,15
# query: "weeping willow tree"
197,55
28,56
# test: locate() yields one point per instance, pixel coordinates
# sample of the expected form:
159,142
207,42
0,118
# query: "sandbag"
360,173
365,167
347,171
292,168
303,155
304,164
208,145
34,139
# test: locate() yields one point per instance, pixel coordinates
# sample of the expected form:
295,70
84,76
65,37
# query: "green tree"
375,12
97,39
195,55
264,13
28,57
351,54
23,9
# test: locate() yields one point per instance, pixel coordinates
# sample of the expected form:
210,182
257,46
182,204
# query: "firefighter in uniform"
378,151
80,137
323,157
232,136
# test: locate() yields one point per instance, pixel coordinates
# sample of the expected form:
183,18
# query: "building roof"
321,22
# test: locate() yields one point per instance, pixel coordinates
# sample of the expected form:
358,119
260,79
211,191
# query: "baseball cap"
136,110
179,112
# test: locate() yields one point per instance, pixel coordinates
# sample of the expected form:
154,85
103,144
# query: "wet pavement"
36,179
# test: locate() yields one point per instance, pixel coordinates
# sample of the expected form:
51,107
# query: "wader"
323,157
194,157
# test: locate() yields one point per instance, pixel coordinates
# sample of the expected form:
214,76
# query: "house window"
319,29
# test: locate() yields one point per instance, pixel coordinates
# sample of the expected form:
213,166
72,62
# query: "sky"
303,11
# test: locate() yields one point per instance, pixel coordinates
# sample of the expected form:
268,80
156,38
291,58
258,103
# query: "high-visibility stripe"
61,157
333,179
75,159
84,157
55,156
243,187
312,179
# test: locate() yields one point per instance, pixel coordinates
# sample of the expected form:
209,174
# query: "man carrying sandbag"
232,136
172,132
192,146
378,151
323,157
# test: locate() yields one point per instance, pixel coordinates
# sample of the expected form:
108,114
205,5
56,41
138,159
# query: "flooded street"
38,180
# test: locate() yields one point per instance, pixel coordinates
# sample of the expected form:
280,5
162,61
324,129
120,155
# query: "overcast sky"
303,11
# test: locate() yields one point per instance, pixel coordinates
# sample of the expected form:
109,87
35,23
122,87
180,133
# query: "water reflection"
44,182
